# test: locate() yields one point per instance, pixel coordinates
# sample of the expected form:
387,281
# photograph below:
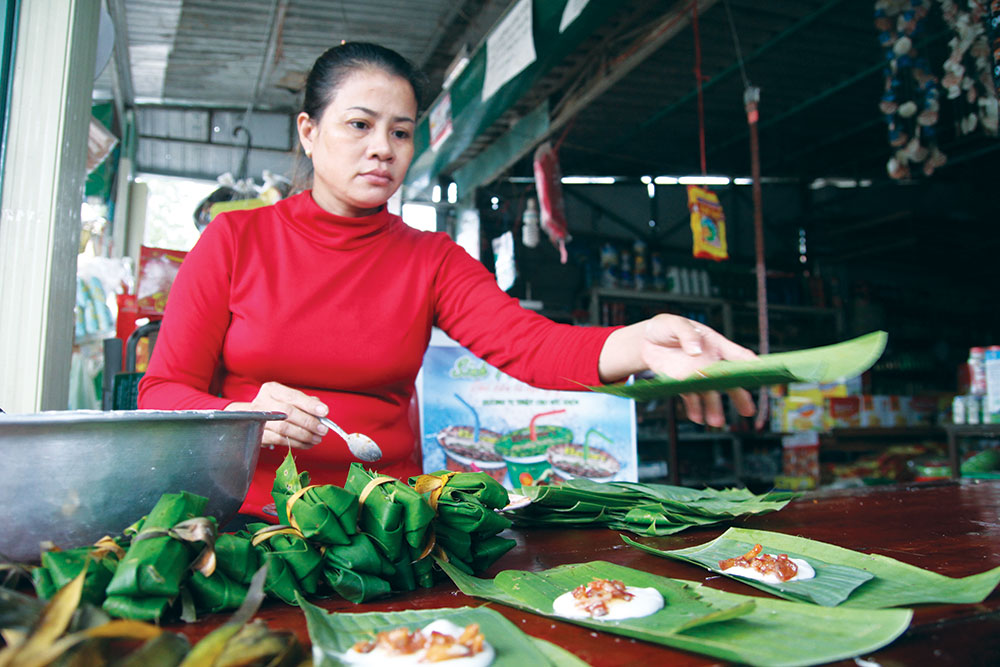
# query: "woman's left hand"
677,347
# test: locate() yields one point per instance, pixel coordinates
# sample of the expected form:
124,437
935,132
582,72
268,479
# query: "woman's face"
363,143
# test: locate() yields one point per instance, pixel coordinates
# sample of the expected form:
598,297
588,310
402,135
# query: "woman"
323,304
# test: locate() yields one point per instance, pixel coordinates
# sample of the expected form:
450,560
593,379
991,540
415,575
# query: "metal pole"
751,98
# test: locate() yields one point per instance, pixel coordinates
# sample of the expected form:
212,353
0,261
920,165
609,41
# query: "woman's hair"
336,64
331,70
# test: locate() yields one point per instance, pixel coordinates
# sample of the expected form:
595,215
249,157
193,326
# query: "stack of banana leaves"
644,509
373,538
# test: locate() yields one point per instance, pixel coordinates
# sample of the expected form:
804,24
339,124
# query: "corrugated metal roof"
818,64
210,54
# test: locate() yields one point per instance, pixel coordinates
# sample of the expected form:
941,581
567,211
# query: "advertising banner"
474,417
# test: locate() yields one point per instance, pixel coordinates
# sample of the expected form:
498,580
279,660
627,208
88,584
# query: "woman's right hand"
301,429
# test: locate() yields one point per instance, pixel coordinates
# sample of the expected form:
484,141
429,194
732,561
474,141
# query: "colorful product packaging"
793,414
991,407
844,411
800,459
708,224
157,269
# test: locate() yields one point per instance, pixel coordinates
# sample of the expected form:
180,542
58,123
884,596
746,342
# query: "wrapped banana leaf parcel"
467,524
644,509
293,563
325,513
59,567
320,539
397,519
149,577
225,588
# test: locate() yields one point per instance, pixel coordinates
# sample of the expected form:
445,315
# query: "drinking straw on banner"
531,425
586,441
475,418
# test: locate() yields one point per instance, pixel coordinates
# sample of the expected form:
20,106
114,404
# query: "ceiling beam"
732,69
276,24
815,99
604,69
611,215
446,27
123,66
594,84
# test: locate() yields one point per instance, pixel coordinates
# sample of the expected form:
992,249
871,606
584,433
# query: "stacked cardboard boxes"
812,407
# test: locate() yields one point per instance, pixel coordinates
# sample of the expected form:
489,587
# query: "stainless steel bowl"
72,477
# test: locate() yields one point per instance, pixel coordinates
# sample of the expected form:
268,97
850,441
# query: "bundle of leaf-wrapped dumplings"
467,523
367,540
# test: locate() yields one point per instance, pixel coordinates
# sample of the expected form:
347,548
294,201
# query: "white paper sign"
503,260
440,122
572,10
509,49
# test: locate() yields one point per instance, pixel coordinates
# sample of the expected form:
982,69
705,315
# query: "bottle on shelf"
529,224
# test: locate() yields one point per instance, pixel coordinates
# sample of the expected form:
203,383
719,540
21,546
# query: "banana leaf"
755,631
893,583
398,521
787,634
167,649
287,480
236,557
819,364
305,560
356,587
254,644
42,581
470,552
281,582
326,514
478,485
381,518
150,608
215,593
645,509
556,654
61,567
333,634
832,584
65,631
467,524
536,591
149,576
360,555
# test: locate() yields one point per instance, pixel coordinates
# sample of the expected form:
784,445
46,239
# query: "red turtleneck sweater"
342,309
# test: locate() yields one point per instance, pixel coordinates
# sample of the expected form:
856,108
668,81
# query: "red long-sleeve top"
342,309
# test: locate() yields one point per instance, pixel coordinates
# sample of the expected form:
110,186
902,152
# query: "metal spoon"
360,445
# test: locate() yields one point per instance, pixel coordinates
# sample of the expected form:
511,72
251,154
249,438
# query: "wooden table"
952,528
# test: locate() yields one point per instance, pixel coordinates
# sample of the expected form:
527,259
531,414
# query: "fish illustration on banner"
708,224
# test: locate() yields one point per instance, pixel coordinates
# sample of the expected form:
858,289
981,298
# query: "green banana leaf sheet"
535,592
893,583
755,631
644,509
832,584
332,634
818,364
